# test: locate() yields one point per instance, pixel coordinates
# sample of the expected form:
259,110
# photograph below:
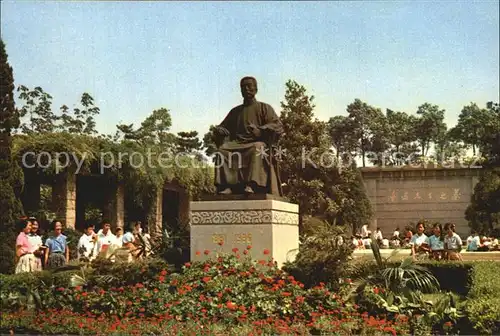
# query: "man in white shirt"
395,234
452,243
365,233
87,244
105,238
378,235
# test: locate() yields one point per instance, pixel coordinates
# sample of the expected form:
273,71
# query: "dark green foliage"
370,129
322,257
483,304
209,141
188,142
483,213
452,276
357,211
9,174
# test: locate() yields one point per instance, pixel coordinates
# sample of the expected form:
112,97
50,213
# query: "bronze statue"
245,138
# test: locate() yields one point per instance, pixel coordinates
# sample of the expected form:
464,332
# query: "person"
452,243
128,242
436,243
365,233
473,241
419,242
143,236
395,234
57,247
87,244
119,236
36,243
25,260
408,235
378,235
242,139
105,238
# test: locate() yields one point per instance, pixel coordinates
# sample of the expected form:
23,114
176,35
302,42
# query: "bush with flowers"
222,293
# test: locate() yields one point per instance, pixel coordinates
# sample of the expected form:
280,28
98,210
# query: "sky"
135,57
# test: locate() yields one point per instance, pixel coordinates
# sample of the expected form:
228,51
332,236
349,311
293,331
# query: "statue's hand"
255,131
222,131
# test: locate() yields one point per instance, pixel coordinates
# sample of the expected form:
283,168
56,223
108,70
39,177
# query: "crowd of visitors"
437,242
34,254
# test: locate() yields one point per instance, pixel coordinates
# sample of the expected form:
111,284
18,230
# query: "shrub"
483,304
453,276
322,258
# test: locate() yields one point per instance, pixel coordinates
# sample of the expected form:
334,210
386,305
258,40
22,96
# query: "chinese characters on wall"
453,194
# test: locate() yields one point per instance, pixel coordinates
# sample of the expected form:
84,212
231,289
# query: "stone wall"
403,195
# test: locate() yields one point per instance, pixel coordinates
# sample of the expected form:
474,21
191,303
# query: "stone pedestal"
262,223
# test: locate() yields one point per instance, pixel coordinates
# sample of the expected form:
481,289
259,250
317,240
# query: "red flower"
266,251
163,273
188,264
206,252
376,290
286,293
198,253
231,305
206,279
161,279
249,247
61,289
220,243
235,249
245,252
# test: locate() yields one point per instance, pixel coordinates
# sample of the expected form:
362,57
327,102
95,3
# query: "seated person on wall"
452,243
419,242
245,159
436,243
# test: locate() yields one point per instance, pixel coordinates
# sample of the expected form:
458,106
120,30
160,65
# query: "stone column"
114,208
64,198
155,216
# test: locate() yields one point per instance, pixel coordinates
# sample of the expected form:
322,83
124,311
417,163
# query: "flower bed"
226,293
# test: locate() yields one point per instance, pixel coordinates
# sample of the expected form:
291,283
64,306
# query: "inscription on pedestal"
224,225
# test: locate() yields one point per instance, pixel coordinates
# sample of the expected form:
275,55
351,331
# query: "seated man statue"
244,160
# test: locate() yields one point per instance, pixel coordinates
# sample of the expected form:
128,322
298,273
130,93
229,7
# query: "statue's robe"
244,159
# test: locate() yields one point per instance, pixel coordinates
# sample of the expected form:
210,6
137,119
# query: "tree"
313,176
209,141
83,121
370,127
36,113
154,131
341,131
429,126
401,136
10,208
483,214
188,142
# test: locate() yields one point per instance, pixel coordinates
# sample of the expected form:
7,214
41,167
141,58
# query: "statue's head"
248,86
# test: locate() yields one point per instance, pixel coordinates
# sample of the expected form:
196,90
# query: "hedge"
483,304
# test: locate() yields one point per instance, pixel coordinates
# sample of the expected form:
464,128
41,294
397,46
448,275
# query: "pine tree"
9,208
